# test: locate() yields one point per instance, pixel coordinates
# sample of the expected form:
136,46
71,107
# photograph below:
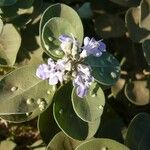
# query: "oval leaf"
61,140
47,125
67,119
100,144
138,134
7,144
10,42
134,96
20,91
53,29
105,69
65,12
91,106
136,33
145,14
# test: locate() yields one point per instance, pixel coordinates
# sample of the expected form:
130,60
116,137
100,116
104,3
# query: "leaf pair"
56,20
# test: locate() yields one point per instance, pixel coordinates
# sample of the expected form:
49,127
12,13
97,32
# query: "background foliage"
124,26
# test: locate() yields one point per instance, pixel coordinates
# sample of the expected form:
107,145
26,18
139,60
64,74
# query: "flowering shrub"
65,90
72,66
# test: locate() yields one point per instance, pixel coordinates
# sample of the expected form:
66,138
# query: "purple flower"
82,80
65,38
54,71
69,45
43,71
92,47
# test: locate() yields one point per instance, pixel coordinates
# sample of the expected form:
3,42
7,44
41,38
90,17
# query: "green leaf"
108,26
61,140
145,14
105,69
146,50
7,2
100,144
90,107
134,96
10,42
19,8
65,12
7,144
126,3
112,125
52,30
138,134
85,11
136,33
47,125
67,119
20,93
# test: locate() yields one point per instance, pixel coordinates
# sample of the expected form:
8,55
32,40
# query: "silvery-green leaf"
145,15
67,119
10,42
134,96
105,69
47,125
61,140
101,144
50,33
138,133
65,12
90,107
23,95
132,19
7,144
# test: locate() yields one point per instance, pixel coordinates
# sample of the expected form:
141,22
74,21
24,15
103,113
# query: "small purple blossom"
65,38
69,45
82,80
70,65
92,47
54,71
43,71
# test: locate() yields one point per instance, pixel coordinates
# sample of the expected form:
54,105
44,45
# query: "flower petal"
65,38
86,41
53,80
42,71
81,91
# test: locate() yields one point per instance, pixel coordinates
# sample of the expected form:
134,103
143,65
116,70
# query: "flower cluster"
54,71
70,66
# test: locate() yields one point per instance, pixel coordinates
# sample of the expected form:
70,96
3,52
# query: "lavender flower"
54,71
92,47
82,80
69,66
43,71
69,45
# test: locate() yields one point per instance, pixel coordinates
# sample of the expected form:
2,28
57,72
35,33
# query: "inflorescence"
71,65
